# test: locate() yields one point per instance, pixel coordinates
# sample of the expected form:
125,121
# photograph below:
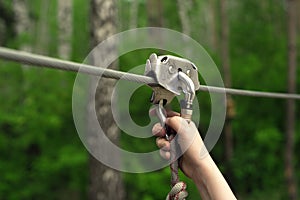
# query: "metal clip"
174,76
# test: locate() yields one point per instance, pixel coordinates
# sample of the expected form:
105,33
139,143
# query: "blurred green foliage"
41,156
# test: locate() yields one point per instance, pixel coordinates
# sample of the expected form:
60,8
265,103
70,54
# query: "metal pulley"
175,76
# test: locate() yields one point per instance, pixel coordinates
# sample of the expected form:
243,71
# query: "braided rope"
178,191
174,163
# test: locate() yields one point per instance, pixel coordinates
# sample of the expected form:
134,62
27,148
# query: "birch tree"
23,24
65,27
23,30
105,183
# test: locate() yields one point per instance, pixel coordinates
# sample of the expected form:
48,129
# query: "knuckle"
156,129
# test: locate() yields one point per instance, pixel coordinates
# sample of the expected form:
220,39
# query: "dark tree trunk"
212,25
225,62
155,13
7,22
290,106
298,16
105,183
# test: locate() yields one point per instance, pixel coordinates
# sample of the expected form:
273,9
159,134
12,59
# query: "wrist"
202,167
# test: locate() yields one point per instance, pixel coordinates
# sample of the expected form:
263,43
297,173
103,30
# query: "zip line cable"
44,61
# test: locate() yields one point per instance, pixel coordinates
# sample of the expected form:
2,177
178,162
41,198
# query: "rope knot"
178,192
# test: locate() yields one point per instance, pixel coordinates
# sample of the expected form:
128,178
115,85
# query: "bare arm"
196,163
210,182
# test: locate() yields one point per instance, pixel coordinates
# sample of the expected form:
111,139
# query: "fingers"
158,130
164,146
165,154
170,113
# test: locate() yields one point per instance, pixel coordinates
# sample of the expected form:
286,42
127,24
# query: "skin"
196,163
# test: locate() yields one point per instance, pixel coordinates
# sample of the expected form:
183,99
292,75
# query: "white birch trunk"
23,23
65,28
105,183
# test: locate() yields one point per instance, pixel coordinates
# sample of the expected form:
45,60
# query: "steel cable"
44,61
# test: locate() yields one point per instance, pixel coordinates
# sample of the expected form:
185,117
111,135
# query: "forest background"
41,155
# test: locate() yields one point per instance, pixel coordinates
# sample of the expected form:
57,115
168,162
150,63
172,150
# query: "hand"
189,140
196,162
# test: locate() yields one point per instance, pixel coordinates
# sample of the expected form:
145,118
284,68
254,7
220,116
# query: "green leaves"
41,156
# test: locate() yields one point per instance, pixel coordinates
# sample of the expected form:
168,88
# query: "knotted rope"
178,191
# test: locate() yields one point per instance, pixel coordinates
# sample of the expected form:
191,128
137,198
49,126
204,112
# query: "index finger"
170,113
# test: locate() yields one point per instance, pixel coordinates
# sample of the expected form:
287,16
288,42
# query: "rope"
178,190
44,61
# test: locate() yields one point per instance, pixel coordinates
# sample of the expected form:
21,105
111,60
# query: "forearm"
210,182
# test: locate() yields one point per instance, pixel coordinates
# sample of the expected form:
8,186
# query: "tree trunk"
2,31
298,16
42,40
133,14
155,13
23,29
65,28
212,32
155,16
290,106
105,183
6,23
183,8
22,22
225,61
